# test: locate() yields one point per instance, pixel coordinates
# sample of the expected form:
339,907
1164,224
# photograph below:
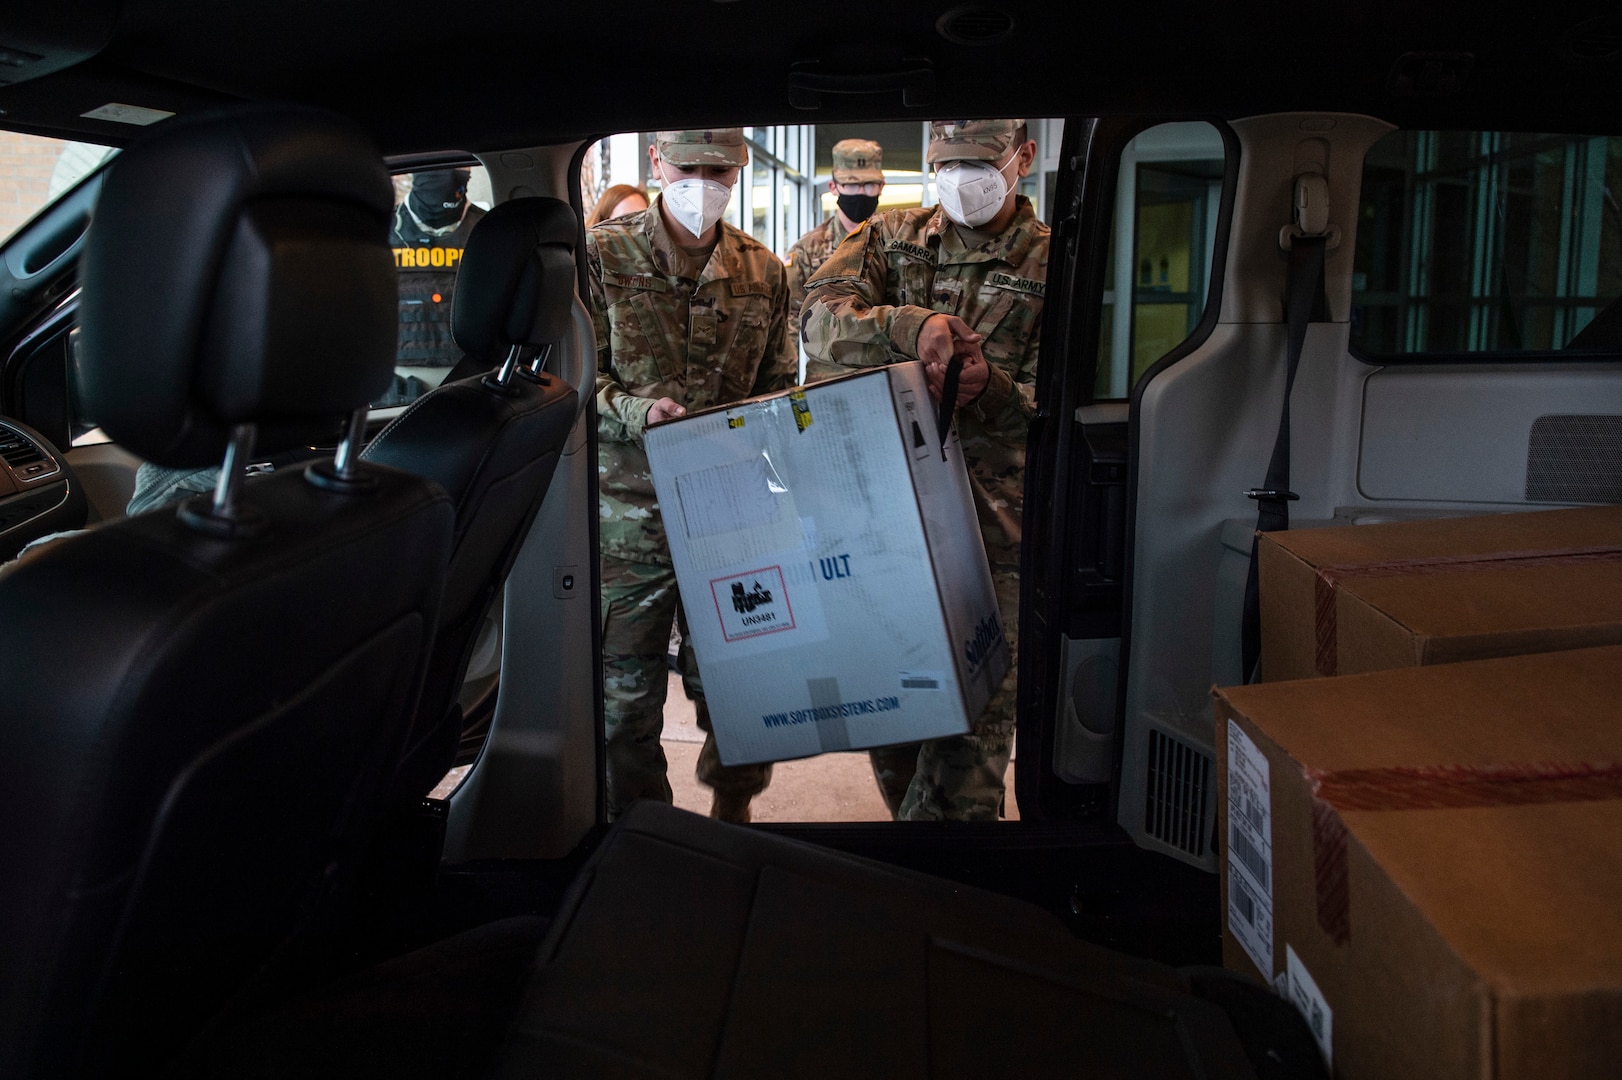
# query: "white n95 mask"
971,192
697,204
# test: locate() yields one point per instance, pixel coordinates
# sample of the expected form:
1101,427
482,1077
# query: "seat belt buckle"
1271,495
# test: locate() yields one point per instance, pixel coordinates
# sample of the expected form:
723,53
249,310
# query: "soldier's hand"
665,409
971,380
942,336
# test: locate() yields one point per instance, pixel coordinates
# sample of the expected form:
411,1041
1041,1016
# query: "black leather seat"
202,708
491,440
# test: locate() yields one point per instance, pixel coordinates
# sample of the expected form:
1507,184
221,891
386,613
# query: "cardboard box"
831,568
1370,597
1429,862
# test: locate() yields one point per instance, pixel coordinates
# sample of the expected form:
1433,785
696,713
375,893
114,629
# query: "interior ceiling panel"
484,75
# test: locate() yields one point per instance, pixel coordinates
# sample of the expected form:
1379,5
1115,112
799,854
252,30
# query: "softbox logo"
987,636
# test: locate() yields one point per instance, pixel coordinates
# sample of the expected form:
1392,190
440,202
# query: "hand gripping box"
1371,597
831,567
1428,862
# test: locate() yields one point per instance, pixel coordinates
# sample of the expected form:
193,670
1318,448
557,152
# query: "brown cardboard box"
1431,860
1371,597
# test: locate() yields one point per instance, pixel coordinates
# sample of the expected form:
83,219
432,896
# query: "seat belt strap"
1303,303
948,402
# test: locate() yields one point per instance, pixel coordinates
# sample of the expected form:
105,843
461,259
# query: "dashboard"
39,494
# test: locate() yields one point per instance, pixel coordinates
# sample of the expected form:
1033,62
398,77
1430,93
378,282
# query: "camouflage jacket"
806,258
867,303
709,340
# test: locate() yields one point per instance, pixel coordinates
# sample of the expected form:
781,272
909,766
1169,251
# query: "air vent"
975,24
1596,40
18,451
1178,782
1574,459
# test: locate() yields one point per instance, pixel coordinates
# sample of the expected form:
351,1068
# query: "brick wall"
26,164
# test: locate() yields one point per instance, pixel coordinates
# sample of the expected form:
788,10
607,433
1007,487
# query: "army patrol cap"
970,140
714,146
858,161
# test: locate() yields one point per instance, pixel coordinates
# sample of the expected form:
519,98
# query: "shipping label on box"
831,568
1250,849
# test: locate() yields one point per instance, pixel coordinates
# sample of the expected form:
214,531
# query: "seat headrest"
238,271
516,281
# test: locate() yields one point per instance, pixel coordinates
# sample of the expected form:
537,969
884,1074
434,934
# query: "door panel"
1203,428
1485,434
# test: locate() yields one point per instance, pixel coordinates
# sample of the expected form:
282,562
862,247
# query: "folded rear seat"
687,948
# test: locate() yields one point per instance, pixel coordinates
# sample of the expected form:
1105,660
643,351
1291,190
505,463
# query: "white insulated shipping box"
831,567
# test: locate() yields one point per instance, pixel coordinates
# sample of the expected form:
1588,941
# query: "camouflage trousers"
959,778
157,485
639,604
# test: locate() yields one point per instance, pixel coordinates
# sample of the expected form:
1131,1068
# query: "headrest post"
233,471
348,453
541,358
226,516
504,377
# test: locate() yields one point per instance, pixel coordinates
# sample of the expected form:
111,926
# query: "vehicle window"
788,199
1156,284
788,180
434,211
34,170
1485,241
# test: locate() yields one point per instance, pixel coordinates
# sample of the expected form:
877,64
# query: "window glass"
760,197
1485,241
1156,283
786,190
784,193
434,211
34,170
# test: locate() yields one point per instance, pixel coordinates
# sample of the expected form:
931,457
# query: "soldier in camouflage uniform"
967,278
689,313
858,181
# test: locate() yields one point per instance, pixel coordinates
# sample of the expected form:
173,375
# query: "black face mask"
858,207
438,198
